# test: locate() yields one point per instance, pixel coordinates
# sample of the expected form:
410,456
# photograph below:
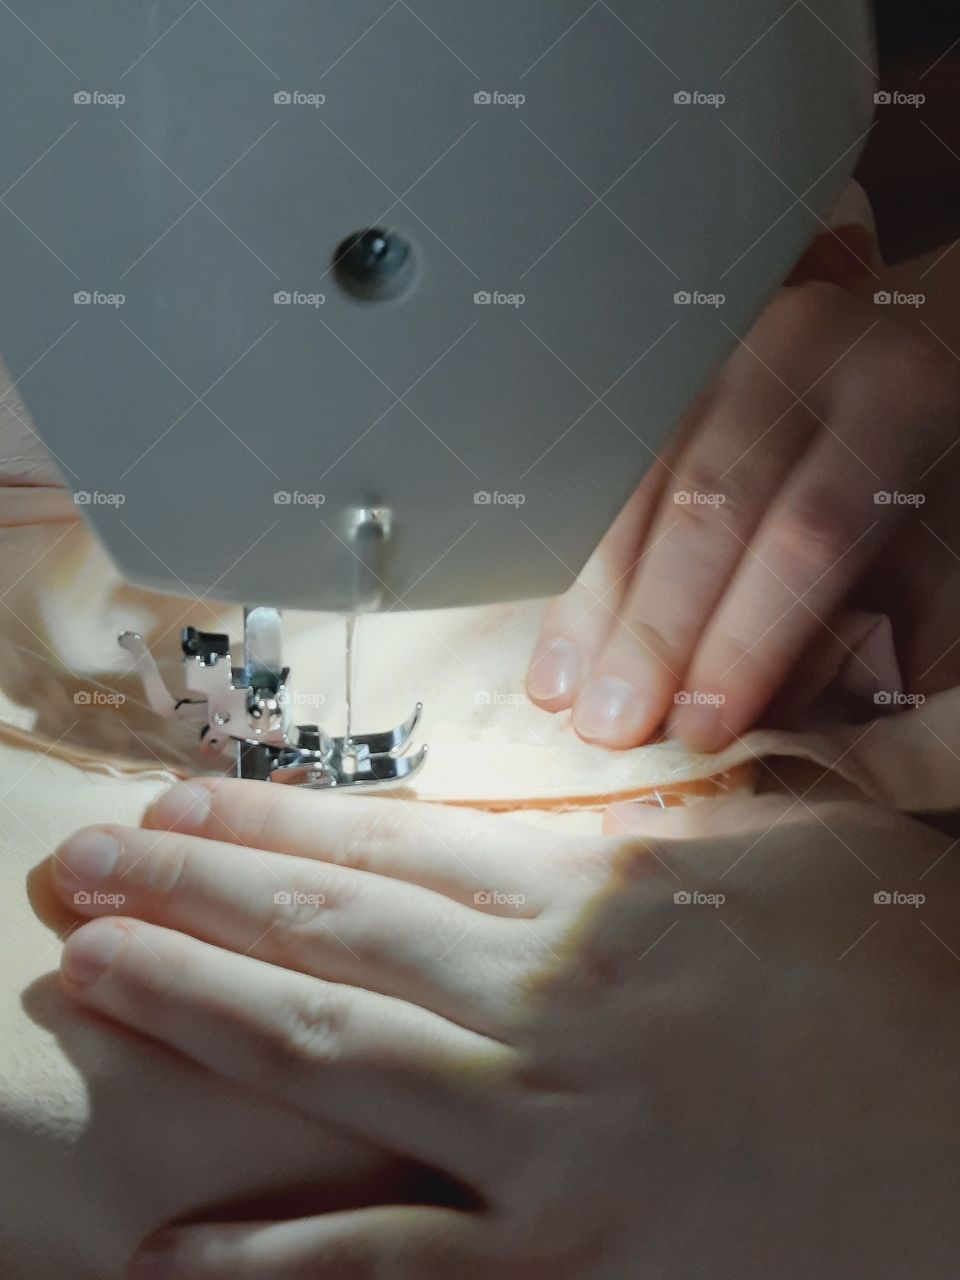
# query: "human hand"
625,1083
737,550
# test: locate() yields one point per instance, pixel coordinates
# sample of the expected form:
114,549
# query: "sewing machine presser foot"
248,707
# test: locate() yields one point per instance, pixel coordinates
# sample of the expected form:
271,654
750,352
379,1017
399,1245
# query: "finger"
709,511
713,818
885,412
366,1244
575,625
395,1074
816,540
328,921
477,859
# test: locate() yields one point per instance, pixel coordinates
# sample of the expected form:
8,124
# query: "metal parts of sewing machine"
248,707
392,306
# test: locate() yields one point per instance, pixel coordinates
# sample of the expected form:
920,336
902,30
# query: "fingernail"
556,672
89,951
154,1259
610,710
185,807
89,857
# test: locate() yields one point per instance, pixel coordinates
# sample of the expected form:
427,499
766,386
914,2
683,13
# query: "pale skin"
582,1053
826,403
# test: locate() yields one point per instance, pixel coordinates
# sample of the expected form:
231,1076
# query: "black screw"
374,264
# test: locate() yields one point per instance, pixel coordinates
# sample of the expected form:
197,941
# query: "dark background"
911,169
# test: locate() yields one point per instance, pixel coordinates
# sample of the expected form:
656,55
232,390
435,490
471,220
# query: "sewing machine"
380,305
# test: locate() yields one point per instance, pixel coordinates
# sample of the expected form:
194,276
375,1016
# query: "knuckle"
648,642
237,806
691,516
817,528
163,981
166,868
378,828
300,913
310,1030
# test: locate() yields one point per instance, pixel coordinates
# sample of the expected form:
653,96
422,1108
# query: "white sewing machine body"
227,430
371,306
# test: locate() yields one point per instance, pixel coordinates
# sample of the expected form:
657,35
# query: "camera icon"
683,299
683,699
883,499
82,498
883,98
482,99
82,98
483,299
282,498
682,498
884,698
82,299
283,98
682,898
482,499
282,299
483,899
82,898
882,899
82,698
482,698
683,98
282,898
883,298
